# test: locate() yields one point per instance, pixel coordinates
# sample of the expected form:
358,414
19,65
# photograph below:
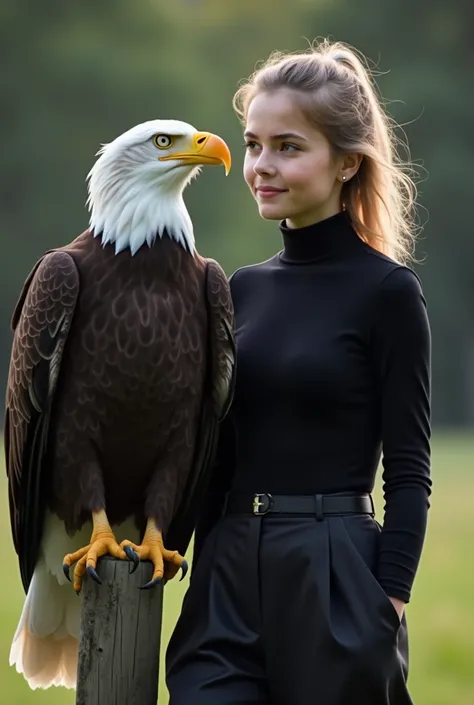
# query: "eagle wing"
217,397
41,322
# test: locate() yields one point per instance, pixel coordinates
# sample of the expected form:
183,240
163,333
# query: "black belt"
318,505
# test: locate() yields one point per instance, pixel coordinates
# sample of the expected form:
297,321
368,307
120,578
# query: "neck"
326,238
132,214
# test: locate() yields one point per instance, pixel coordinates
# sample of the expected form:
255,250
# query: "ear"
350,167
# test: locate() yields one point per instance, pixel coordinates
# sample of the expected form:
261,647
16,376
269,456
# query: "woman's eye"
285,147
162,141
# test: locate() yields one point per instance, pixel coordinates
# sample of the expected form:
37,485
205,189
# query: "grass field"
441,614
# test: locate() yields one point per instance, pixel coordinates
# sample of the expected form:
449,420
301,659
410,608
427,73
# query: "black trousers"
287,611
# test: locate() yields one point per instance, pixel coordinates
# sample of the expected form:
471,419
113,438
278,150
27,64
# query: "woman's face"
289,165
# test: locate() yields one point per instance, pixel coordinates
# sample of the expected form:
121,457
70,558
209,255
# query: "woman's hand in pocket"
398,604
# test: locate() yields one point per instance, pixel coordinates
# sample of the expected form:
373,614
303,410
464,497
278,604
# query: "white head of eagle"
136,185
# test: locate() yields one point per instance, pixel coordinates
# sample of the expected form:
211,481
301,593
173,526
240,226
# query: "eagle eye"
162,141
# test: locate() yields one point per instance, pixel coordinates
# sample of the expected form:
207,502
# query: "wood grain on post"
120,637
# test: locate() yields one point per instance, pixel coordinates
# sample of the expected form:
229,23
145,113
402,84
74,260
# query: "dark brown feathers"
41,322
121,369
216,399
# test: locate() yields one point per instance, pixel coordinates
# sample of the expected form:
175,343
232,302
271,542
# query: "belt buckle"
257,503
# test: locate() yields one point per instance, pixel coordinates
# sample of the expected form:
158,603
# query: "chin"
267,212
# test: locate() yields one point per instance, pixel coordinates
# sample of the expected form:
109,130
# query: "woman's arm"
402,357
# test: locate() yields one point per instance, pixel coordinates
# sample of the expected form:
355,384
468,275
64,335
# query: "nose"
263,165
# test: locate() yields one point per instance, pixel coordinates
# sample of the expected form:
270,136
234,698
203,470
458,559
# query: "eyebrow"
280,136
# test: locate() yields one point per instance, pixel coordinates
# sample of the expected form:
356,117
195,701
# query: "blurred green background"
75,75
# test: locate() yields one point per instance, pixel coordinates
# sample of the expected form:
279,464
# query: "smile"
269,193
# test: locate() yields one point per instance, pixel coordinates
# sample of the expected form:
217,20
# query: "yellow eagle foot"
103,542
165,563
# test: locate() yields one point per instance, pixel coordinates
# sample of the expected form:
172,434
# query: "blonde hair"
342,99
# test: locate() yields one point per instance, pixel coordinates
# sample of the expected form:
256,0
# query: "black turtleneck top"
333,366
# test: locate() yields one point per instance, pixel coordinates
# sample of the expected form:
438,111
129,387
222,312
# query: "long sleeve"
402,357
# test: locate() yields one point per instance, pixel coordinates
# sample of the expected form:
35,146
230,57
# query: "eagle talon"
102,543
165,563
184,570
133,556
92,574
66,571
151,583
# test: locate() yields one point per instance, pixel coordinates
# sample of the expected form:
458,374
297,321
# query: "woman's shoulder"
250,282
252,272
397,291
390,275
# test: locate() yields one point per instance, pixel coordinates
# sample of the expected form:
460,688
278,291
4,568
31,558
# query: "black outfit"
333,363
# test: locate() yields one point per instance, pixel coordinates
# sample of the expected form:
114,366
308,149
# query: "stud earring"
344,178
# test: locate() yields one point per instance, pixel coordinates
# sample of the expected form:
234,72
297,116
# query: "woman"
298,594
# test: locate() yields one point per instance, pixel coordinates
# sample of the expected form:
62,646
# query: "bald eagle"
121,369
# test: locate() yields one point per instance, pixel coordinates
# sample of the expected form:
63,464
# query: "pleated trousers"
288,611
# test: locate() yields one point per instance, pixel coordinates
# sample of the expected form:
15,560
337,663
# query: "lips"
268,191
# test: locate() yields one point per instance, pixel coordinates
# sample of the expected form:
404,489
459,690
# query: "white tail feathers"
45,645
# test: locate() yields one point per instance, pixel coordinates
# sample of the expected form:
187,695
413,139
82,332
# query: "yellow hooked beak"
207,149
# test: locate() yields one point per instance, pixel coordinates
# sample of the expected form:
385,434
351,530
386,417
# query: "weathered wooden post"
120,637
